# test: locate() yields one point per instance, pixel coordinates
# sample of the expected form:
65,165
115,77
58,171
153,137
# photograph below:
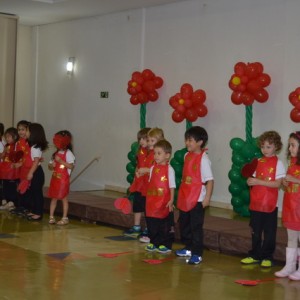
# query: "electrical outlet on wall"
104,94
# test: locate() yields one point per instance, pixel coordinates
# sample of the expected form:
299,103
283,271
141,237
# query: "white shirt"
70,158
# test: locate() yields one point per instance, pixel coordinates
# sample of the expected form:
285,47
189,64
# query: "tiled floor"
41,261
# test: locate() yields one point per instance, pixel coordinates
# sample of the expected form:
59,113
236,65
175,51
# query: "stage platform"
224,231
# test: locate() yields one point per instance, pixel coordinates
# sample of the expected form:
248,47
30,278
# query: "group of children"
22,175
154,184
153,191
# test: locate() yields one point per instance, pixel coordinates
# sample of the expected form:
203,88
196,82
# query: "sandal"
52,220
63,221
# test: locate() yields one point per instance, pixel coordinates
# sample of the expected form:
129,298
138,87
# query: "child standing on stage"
138,206
194,194
9,174
154,135
32,171
291,209
264,187
1,154
160,198
62,163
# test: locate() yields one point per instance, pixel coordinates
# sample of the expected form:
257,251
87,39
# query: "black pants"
33,198
10,190
191,229
159,232
264,228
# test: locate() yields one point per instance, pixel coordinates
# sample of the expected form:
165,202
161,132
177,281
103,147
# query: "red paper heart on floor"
123,204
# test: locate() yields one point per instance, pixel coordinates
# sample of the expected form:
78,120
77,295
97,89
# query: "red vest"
191,183
138,182
6,170
291,199
148,164
158,193
27,161
262,198
60,180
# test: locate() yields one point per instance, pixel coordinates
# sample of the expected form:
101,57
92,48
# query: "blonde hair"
156,133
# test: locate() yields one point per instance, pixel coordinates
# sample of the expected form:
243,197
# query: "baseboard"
115,188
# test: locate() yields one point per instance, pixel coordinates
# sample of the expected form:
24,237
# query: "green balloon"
132,156
237,209
234,189
248,151
177,167
130,167
129,178
238,160
245,211
179,155
236,144
236,202
234,175
130,197
245,195
135,147
178,181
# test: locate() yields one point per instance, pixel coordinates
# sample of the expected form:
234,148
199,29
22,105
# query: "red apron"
262,198
148,164
138,182
60,180
291,199
6,170
191,183
27,162
158,193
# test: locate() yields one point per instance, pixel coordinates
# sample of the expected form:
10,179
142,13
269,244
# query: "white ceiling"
38,12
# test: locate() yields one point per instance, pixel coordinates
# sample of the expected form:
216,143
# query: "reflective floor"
41,261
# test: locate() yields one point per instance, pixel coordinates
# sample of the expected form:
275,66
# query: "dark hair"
23,123
272,137
198,134
13,132
37,136
143,133
1,129
164,145
295,135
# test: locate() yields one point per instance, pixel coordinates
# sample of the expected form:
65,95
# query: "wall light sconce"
70,65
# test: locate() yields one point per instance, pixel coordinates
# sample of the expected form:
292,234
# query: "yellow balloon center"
134,84
181,101
236,80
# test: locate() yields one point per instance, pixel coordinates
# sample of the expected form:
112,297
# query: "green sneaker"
150,247
249,260
266,263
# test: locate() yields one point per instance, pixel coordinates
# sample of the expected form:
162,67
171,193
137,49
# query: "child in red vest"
264,187
8,173
291,209
139,200
159,199
62,163
194,194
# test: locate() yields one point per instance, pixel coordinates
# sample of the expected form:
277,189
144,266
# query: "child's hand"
58,159
205,203
252,181
29,176
170,205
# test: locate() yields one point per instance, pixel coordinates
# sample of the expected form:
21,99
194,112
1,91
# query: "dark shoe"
34,218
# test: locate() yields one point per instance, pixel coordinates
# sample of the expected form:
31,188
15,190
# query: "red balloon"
188,103
201,110
173,102
177,116
177,96
253,86
261,95
241,88
297,90
143,98
236,98
148,86
191,115
252,70
148,74
248,98
153,96
231,85
264,80
181,108
132,91
259,67
198,97
186,90
293,97
295,115
137,77
158,82
244,79
134,100
240,68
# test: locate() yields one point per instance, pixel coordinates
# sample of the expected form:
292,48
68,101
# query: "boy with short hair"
194,194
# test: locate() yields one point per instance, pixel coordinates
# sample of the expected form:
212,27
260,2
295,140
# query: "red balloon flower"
248,83
142,87
188,104
294,98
